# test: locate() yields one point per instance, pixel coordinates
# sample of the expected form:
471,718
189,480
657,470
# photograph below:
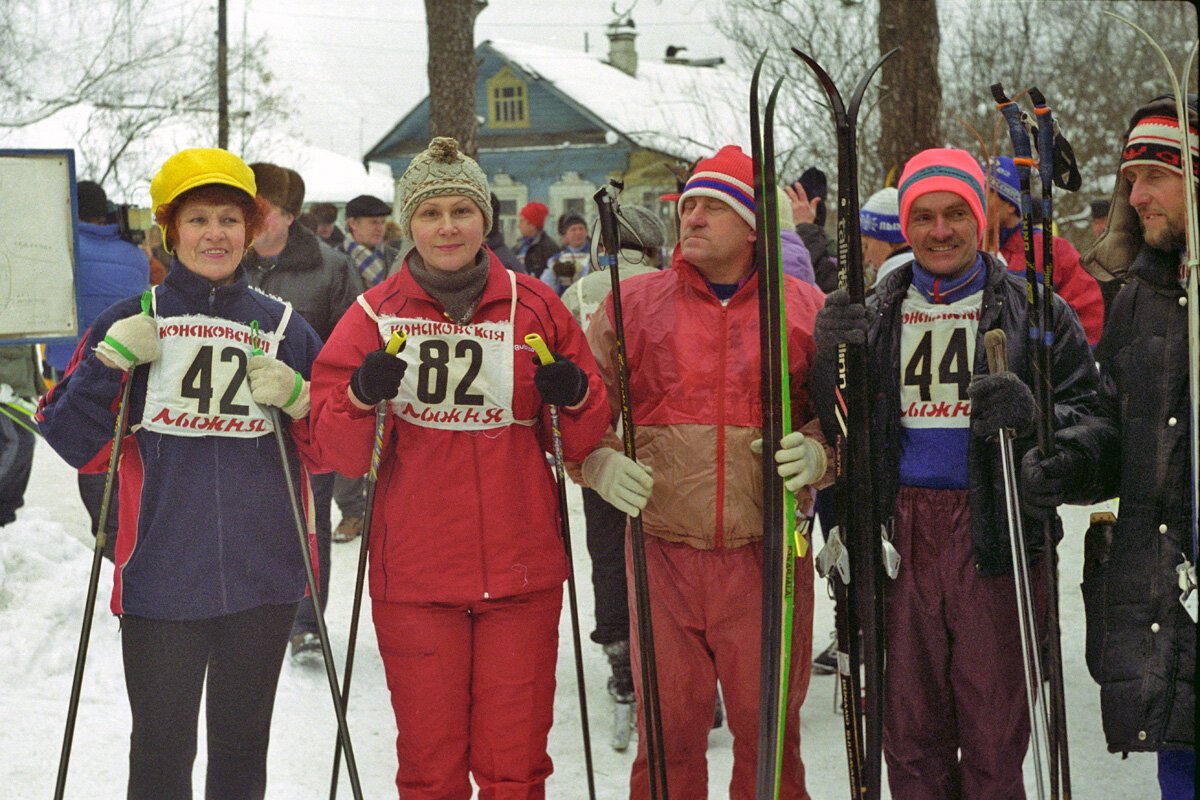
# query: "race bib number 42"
937,353
198,385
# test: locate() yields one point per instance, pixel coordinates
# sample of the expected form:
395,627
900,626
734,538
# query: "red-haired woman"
209,569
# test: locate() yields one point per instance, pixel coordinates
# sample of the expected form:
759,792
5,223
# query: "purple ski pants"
956,722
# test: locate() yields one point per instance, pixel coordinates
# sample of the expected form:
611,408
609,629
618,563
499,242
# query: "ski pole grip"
539,347
396,343
995,344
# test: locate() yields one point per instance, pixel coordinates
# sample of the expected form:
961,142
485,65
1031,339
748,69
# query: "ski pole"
544,355
869,553
311,580
395,345
995,343
1060,765
651,711
89,605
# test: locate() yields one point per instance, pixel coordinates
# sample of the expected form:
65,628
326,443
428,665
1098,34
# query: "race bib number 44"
937,354
198,385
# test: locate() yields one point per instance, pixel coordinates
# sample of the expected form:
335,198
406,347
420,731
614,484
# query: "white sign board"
39,233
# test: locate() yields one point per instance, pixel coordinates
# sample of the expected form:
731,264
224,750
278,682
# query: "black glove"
561,382
1042,481
839,322
377,378
1000,401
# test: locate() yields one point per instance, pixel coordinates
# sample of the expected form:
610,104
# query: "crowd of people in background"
469,644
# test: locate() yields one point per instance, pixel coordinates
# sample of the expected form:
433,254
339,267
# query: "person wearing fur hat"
536,248
1075,285
1141,641
290,262
209,570
467,563
955,722
692,338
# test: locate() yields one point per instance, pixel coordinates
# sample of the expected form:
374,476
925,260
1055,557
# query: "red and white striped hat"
1155,140
729,177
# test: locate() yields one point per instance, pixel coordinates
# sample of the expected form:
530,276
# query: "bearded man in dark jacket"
1141,641
955,715
287,260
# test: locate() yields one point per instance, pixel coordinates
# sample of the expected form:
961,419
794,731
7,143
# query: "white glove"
129,341
274,383
801,461
624,483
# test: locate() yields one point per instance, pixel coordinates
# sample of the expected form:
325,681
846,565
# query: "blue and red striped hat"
729,177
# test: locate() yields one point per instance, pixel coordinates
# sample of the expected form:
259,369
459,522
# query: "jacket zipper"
479,512
719,533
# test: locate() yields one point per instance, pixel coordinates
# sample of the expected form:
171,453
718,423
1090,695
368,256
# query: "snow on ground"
44,567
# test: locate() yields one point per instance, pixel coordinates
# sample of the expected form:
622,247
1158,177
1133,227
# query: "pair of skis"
858,565
782,541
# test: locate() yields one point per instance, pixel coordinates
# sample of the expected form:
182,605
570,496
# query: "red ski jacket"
1076,286
466,506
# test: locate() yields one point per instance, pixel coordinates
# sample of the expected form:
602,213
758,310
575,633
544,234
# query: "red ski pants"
956,722
706,608
473,693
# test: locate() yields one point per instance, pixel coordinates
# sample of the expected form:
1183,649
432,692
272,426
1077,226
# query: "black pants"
165,666
16,462
91,492
606,546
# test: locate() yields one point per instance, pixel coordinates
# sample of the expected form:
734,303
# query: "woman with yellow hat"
208,567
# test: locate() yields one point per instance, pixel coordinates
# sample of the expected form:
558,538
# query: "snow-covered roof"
328,176
677,109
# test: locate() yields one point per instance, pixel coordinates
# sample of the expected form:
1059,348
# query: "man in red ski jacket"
693,355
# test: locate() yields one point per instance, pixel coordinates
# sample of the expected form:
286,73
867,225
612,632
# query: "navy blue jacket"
107,269
206,527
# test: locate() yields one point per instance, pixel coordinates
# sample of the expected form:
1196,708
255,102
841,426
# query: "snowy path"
43,576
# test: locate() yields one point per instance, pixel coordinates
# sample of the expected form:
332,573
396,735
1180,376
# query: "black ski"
859,563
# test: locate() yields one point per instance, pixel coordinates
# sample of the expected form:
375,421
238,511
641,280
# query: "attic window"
507,104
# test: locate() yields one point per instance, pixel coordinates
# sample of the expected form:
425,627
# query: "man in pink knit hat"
955,717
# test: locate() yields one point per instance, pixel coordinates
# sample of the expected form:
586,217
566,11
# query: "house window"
507,103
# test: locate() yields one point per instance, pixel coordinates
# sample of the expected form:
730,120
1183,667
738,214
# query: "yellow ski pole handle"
396,343
539,347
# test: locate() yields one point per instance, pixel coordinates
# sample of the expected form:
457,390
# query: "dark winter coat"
538,254
495,243
1003,306
824,261
206,527
317,280
1141,645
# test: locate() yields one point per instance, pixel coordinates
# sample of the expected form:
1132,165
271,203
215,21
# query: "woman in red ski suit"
467,563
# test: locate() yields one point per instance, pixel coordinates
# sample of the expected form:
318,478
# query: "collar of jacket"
938,289
106,231
197,289
1158,268
895,284
301,252
747,286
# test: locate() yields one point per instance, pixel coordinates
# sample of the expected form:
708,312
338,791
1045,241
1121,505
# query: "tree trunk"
450,25
911,104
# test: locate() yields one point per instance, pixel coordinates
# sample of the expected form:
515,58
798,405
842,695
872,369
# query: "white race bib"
198,385
459,377
937,354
